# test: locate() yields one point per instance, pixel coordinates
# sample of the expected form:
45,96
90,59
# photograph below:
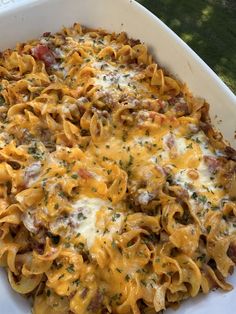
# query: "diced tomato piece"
43,53
152,114
84,174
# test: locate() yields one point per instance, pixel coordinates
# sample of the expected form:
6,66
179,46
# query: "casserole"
186,65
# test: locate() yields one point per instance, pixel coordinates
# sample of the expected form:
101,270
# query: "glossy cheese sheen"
87,220
87,225
111,77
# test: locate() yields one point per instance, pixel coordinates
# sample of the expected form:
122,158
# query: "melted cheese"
110,78
82,220
86,226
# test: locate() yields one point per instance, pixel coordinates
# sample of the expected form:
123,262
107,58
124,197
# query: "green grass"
207,26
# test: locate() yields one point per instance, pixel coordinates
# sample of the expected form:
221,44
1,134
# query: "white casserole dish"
21,20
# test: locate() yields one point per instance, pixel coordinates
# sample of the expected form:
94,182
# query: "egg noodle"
114,185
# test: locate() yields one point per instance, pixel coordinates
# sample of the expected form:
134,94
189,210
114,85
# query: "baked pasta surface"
114,187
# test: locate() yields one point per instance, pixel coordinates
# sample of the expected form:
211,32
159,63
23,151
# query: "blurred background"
207,26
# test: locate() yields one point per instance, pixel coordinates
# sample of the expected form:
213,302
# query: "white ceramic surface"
21,20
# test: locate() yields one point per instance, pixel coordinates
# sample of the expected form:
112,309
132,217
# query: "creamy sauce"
32,173
28,220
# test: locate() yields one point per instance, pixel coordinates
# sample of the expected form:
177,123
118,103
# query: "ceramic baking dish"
21,20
